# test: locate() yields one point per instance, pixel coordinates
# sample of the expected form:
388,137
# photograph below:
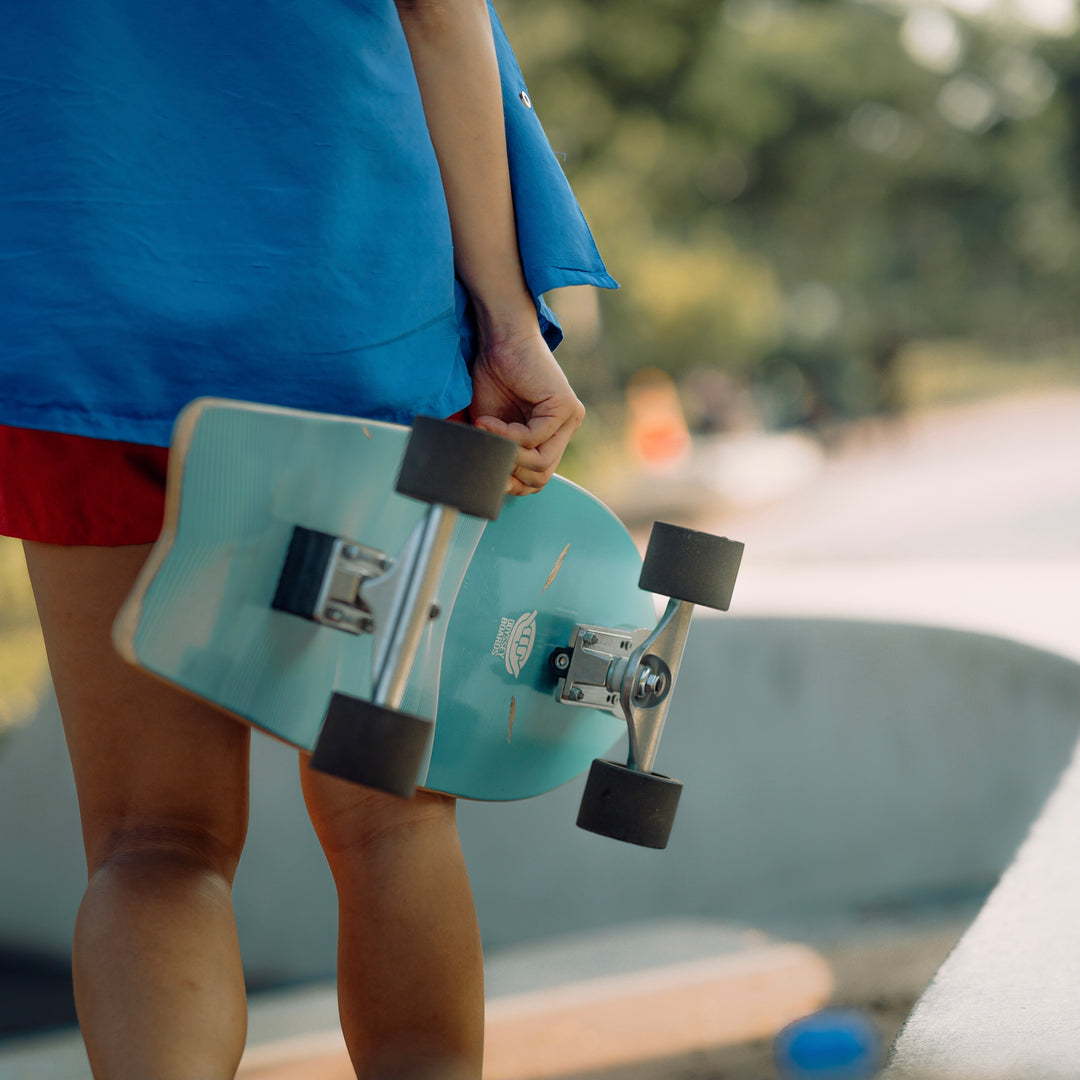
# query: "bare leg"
162,785
410,971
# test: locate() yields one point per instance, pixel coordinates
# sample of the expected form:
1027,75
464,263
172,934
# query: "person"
343,206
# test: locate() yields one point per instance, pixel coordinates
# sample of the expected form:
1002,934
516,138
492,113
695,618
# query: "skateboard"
424,631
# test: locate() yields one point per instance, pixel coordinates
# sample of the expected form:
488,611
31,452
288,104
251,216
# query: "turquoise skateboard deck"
534,658
242,476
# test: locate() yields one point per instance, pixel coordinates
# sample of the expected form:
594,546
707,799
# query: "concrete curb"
608,999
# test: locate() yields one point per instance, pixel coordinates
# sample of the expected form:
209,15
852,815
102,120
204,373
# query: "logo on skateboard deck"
514,642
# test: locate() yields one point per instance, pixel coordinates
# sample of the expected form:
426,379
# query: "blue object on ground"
834,1044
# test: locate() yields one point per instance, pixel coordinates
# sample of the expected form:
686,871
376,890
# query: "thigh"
148,760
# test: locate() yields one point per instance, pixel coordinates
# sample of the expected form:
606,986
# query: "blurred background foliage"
840,208
23,667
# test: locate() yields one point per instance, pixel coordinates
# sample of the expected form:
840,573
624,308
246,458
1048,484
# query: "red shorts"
69,489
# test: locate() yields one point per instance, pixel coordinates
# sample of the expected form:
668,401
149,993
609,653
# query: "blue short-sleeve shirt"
241,200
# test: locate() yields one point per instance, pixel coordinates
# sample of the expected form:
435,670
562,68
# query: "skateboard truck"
323,578
628,674
344,584
631,674
351,587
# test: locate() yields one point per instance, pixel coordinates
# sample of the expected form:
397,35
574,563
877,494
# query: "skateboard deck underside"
242,476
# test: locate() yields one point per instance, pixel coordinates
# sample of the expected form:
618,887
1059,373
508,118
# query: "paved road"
996,480
966,517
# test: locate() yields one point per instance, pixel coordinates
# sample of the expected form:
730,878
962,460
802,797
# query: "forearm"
454,57
519,391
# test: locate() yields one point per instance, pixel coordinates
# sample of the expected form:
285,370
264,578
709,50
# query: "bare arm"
519,390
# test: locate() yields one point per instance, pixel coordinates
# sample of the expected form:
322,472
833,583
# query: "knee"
351,821
163,846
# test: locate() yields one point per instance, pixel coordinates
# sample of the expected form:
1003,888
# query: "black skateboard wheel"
302,575
689,565
456,465
624,804
372,745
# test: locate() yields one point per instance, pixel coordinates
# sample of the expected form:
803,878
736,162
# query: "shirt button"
525,99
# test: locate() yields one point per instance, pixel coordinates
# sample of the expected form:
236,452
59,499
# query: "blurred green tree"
805,186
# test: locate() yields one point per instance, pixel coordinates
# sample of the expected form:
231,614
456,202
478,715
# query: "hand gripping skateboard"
410,633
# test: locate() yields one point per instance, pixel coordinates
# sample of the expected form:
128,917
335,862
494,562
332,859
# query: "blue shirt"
239,199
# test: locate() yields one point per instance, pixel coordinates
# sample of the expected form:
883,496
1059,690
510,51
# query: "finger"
533,477
515,432
540,428
516,487
546,457
534,472
548,452
537,461
535,467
